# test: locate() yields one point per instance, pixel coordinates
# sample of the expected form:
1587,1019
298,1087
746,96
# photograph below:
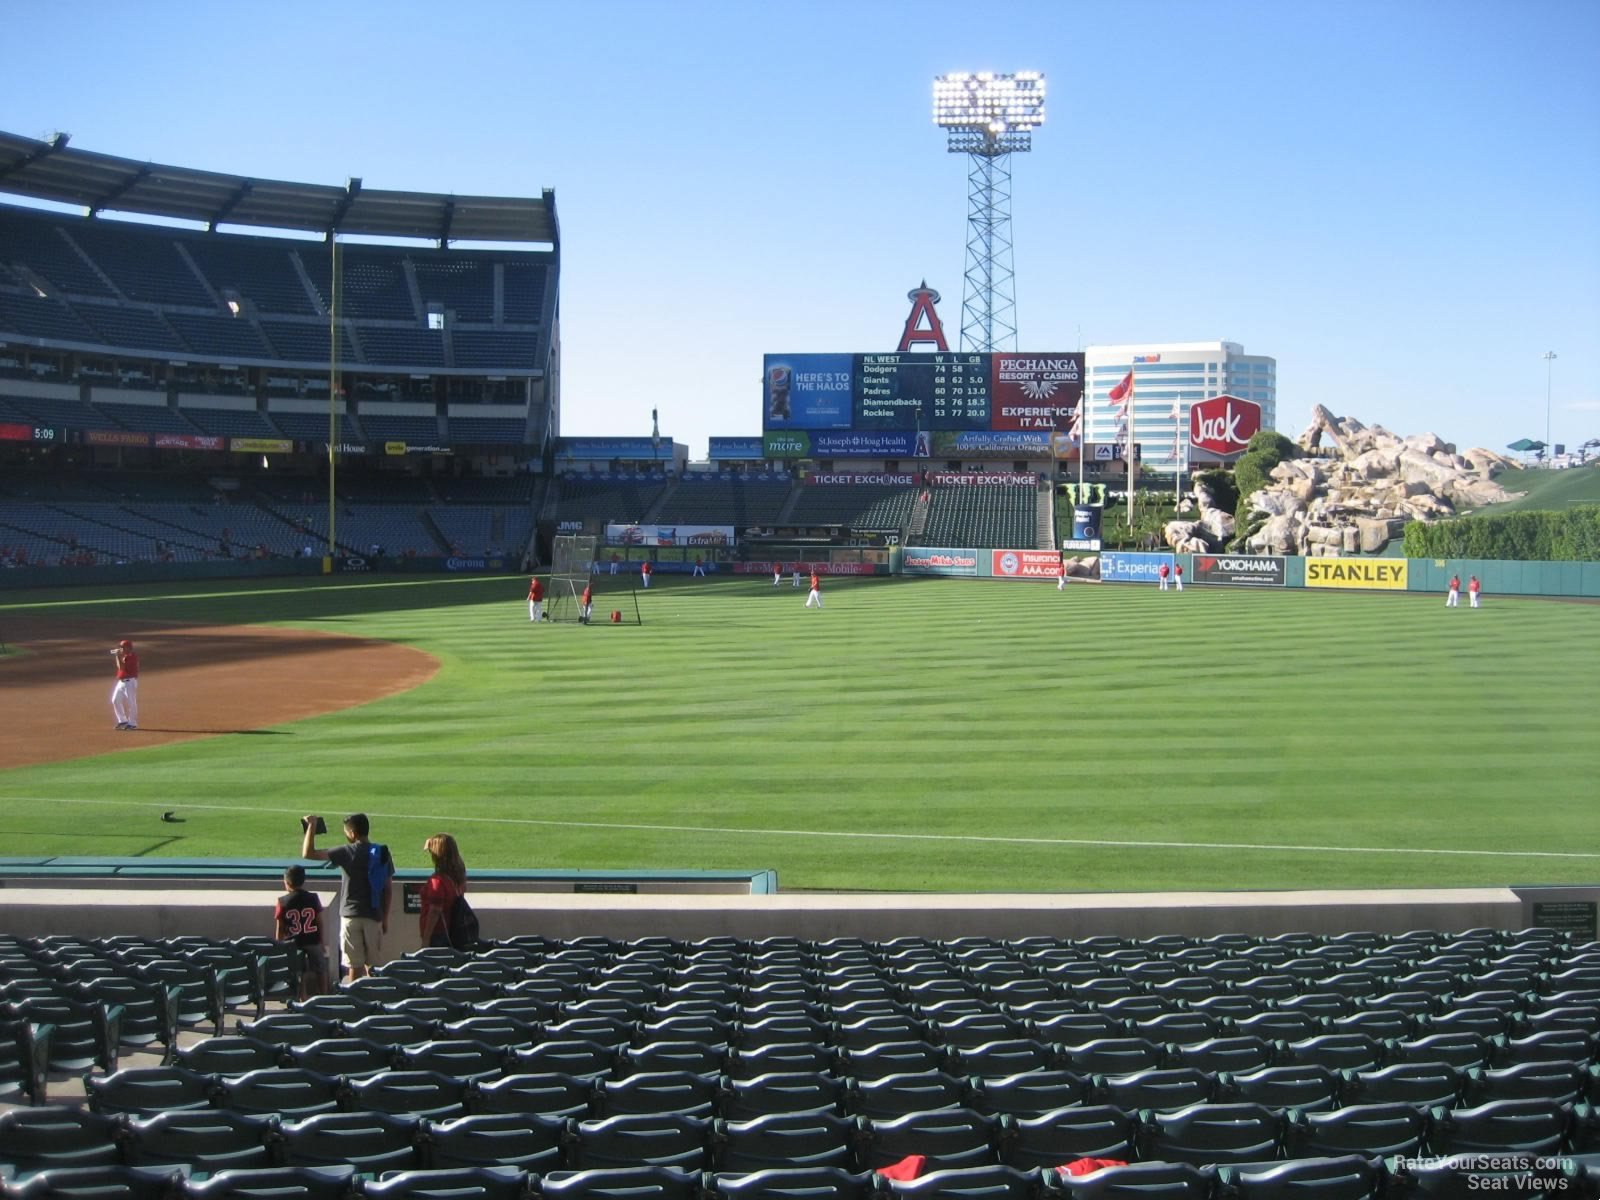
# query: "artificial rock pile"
1353,489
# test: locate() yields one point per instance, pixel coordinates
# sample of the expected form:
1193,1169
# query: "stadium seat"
1537,1127
659,1140
1212,1133
458,1057
950,1139
970,1183
25,1060
1464,1051
393,1029
354,1058
1240,1054
1113,1056
1140,1181
429,1094
1425,1084
230,1054
782,1092
369,1141
281,1183
566,1057
794,1183
524,1141
1337,1052
148,1090
1054,1138
810,1139
297,1028
551,1094
95,1183
83,1035
1485,1021
203,1141
38,1139
1160,1089
459,1183
1562,1082
1347,1177
628,1183
1550,1045
1373,1130
149,1009
896,1095
658,1092
1385,1024
289,1092
1029,1093
1277,1025
696,1057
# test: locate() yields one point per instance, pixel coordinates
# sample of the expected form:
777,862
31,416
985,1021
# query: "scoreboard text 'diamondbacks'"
909,392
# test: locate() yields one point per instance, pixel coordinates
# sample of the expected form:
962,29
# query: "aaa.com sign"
1223,424
1244,570
1024,564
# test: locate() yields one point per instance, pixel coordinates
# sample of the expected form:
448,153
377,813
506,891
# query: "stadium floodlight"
989,117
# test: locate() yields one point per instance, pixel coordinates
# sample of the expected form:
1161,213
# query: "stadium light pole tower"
989,118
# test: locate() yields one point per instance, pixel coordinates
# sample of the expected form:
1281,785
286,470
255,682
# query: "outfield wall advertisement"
925,560
1373,574
669,535
1123,566
1024,564
1241,570
788,567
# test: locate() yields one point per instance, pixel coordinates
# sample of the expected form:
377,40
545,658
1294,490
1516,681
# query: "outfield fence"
1499,577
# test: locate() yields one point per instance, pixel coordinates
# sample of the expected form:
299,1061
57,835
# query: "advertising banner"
260,445
1124,566
807,391
921,560
793,444
398,448
1380,574
1112,452
1086,523
1223,424
1035,391
1024,564
187,441
115,437
669,535
983,479
992,445
604,449
346,447
902,479
870,445
476,564
788,566
1242,570
1081,545
735,449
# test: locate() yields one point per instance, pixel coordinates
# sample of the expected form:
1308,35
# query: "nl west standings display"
1001,392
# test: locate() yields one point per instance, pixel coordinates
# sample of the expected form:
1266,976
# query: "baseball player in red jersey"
816,590
535,600
125,693
1474,588
1452,597
585,604
644,572
1061,575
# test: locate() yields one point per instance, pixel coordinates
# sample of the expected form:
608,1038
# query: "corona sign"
1223,425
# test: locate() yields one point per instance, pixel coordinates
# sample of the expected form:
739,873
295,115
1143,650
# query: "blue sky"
1399,201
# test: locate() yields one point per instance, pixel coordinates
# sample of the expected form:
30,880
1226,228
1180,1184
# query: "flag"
1120,393
1177,412
1075,429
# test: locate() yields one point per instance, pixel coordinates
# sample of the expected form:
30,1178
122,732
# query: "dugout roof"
51,170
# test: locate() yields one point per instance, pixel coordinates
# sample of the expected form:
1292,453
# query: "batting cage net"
573,567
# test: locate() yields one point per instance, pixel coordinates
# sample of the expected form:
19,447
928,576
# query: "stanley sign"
1387,574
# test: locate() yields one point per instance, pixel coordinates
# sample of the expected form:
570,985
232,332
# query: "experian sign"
1122,566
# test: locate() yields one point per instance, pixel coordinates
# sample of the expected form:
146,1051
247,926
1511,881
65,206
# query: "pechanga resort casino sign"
1223,425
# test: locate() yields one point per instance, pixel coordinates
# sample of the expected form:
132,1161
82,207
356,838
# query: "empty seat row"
1202,1135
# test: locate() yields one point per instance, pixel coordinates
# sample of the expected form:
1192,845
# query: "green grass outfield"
916,735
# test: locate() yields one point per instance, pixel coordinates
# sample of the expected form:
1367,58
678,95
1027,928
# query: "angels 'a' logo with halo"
1038,389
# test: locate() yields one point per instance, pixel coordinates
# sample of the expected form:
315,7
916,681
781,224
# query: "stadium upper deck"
162,303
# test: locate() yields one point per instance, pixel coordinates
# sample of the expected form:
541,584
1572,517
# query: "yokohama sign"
1223,424
1246,570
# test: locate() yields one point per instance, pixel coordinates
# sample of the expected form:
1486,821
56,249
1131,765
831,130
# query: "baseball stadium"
897,822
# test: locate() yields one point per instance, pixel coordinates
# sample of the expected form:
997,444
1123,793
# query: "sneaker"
122,724
130,725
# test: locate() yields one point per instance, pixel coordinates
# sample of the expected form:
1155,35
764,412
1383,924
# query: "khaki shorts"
362,941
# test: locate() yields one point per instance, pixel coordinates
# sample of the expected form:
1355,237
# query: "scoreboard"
1001,391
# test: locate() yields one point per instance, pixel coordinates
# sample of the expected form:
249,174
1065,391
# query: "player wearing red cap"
125,694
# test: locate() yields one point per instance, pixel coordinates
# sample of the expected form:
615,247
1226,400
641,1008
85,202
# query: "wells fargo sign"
1387,574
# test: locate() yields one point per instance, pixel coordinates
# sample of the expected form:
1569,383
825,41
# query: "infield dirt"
196,681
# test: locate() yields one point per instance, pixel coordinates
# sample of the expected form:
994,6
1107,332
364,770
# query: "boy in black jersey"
298,918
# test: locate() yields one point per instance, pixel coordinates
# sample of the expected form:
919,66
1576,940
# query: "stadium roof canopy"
50,170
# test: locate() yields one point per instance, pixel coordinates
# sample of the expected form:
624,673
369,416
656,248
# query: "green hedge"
1570,536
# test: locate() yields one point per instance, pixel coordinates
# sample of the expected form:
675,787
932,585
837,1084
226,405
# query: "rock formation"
1352,492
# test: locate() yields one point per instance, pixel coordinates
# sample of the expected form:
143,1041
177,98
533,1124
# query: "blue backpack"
380,869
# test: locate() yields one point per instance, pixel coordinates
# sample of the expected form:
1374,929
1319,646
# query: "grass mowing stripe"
997,736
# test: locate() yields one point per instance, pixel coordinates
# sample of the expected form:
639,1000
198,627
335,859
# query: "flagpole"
1177,456
1132,391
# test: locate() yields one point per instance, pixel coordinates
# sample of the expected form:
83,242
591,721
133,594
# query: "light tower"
989,118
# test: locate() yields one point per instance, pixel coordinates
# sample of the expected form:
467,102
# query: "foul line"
459,818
